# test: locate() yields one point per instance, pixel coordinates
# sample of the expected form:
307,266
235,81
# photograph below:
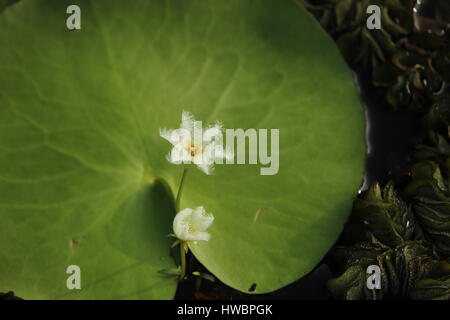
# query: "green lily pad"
83,174
5,3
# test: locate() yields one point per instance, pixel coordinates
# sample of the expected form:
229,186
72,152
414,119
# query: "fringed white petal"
201,219
191,225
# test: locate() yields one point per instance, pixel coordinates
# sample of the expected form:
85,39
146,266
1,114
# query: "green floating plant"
405,232
434,288
411,63
430,199
386,233
436,145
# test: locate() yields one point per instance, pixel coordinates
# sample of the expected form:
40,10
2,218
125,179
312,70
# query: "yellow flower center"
191,228
193,149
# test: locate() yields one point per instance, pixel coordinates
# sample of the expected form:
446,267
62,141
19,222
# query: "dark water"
391,135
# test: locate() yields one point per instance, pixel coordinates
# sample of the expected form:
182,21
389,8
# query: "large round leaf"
83,174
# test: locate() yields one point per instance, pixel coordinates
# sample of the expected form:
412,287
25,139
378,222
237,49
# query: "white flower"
191,224
192,145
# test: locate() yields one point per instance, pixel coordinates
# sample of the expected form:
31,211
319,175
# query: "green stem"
183,245
183,259
180,189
